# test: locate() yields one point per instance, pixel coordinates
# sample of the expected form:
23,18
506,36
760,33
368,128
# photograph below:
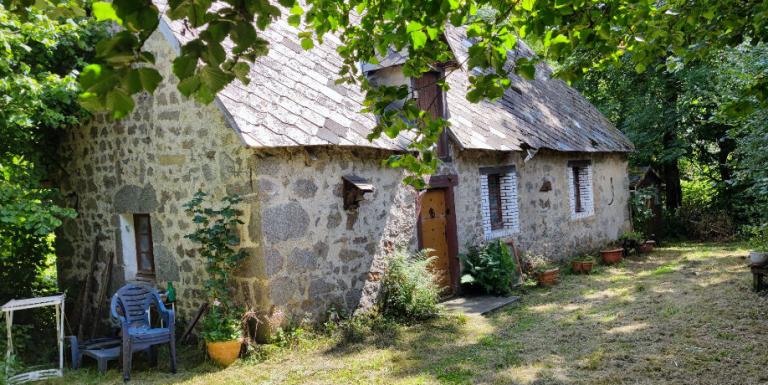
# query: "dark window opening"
145,258
577,189
494,201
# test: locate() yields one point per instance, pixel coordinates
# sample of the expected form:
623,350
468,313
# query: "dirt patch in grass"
684,314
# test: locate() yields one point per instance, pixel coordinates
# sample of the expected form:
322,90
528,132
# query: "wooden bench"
758,272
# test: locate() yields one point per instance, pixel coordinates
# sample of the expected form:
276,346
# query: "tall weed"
409,290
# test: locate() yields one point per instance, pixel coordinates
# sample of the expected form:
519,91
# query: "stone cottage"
541,166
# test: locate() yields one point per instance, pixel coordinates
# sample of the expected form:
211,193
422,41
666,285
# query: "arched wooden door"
434,218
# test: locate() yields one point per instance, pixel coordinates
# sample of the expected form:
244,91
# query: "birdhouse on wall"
354,191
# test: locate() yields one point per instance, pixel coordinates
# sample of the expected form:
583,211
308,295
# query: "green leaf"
525,68
241,71
432,32
119,102
528,4
184,66
559,39
297,10
307,44
418,39
189,85
294,20
103,10
150,78
413,26
213,77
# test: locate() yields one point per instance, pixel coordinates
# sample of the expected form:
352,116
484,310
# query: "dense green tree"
39,62
682,122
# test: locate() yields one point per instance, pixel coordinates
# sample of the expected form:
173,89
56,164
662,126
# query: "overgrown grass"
684,314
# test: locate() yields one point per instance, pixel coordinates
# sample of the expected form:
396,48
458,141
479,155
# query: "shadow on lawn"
659,318
191,362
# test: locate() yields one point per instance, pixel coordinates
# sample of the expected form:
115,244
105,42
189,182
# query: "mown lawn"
682,315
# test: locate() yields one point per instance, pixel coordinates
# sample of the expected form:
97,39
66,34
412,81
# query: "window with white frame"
138,250
580,195
498,189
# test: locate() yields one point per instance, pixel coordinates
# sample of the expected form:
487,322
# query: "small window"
581,195
498,186
145,258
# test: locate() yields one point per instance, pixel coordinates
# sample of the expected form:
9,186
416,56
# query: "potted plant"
647,246
631,240
222,333
582,264
546,273
216,232
611,256
758,243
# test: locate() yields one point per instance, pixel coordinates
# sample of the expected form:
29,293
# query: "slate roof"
292,100
542,113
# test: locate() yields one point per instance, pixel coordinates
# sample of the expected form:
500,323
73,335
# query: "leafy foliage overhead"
676,31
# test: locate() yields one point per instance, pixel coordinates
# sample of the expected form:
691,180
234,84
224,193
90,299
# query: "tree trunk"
674,192
727,146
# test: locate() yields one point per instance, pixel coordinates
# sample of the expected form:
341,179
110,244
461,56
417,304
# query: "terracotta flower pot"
612,256
586,266
577,266
224,353
548,277
647,247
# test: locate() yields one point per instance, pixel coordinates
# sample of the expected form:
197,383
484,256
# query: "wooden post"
60,334
511,243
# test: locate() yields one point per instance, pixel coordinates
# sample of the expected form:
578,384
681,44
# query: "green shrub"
641,212
535,263
634,237
409,290
221,324
368,326
758,237
490,267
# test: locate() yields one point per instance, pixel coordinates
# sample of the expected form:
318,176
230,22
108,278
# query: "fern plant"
409,290
491,267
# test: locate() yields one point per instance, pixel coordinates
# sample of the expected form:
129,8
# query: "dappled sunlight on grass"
626,329
683,314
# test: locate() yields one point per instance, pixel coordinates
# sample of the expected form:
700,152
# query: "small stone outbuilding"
541,166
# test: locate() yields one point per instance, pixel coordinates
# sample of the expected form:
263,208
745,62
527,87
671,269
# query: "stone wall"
316,254
546,226
150,162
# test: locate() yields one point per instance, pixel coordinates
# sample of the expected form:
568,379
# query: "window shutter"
429,97
145,258
577,189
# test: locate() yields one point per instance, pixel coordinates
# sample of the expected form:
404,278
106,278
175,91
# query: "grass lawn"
682,315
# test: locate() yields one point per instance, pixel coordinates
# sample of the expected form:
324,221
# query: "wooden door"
434,235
